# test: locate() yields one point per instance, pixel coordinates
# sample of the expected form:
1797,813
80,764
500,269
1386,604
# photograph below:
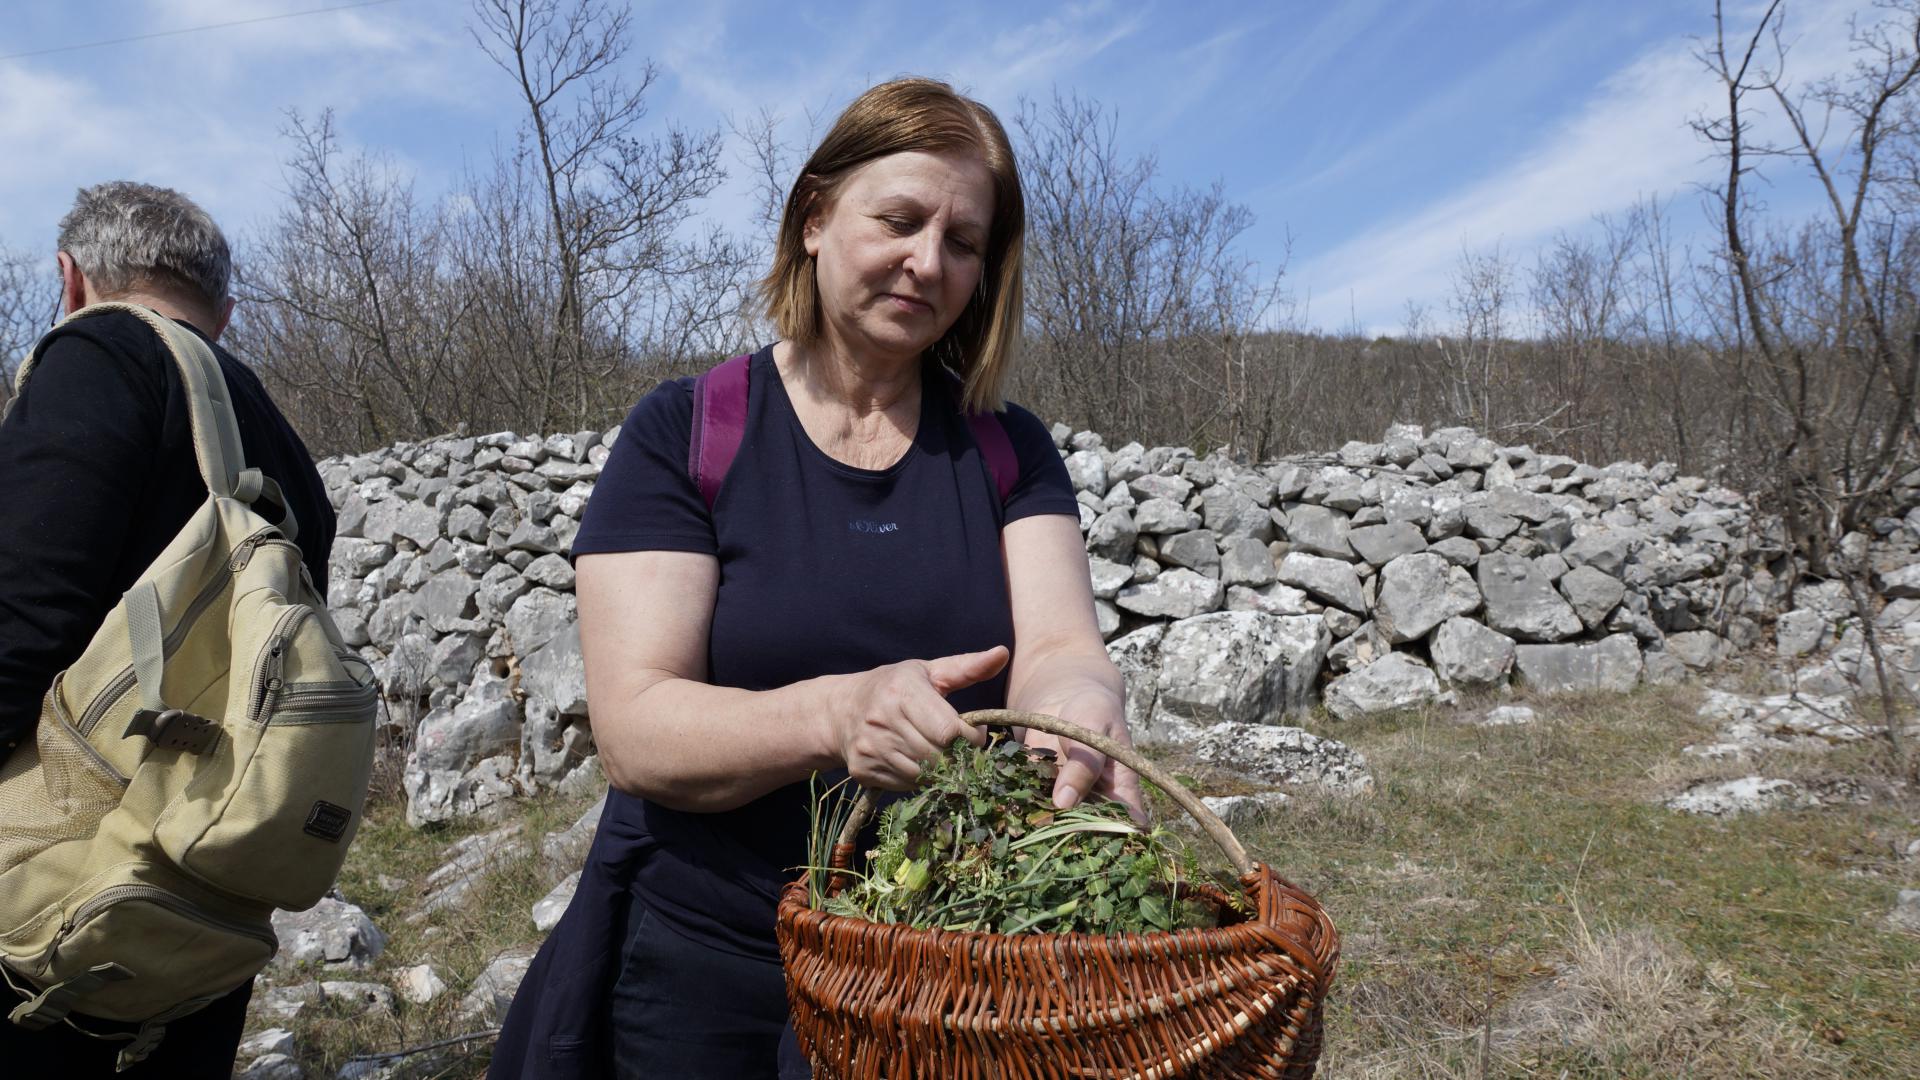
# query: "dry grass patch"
1514,902
385,875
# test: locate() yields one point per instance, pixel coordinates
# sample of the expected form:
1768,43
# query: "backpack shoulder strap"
990,435
997,450
719,424
216,431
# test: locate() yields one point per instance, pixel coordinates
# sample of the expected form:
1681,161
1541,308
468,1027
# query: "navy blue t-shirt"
824,569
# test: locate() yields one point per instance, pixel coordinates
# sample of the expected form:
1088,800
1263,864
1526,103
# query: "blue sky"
1382,138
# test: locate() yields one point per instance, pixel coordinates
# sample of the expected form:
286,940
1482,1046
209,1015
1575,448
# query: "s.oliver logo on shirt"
862,525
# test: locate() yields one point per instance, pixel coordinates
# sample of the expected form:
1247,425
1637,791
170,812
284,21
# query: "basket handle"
1209,822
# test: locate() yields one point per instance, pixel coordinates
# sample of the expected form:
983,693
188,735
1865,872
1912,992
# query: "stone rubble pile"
1391,573
1384,576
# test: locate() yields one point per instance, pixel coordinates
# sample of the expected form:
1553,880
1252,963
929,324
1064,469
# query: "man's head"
129,241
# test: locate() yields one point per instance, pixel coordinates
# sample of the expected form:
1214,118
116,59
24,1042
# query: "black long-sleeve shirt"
97,475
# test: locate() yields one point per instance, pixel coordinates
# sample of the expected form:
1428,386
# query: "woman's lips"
908,303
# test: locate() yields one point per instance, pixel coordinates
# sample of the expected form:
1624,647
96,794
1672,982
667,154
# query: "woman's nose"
923,259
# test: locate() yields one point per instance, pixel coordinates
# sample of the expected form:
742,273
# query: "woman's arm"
1060,665
665,734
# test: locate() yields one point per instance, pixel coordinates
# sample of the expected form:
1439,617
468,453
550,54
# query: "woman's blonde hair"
894,117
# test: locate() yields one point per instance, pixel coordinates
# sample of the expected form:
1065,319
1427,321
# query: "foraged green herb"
981,847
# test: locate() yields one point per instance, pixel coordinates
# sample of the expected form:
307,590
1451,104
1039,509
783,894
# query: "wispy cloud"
1629,140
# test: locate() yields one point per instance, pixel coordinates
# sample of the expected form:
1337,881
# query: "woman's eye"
965,247
898,225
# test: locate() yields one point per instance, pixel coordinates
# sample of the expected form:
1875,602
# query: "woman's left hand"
1083,769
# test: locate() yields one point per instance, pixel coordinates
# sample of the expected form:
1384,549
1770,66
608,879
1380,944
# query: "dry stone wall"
1381,576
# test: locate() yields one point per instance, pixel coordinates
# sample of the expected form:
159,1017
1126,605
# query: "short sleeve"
1043,486
644,499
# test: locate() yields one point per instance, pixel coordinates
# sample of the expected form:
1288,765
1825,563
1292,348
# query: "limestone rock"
1746,795
493,991
547,912
1418,592
1319,531
1112,535
1238,811
1176,594
1522,603
1905,916
1800,632
1329,579
1285,755
1108,577
1508,716
1196,550
1465,653
1246,561
1159,517
332,935
1137,655
1593,593
1239,667
1274,599
1381,544
1697,648
276,1066
484,722
1395,681
1613,663
420,984
537,618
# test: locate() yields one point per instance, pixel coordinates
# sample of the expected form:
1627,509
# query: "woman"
858,580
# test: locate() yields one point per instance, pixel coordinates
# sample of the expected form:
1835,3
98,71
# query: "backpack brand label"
327,821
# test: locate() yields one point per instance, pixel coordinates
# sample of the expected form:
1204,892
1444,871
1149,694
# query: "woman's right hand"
892,718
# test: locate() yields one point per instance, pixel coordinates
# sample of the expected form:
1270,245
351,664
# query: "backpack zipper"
107,897
110,696
60,714
267,681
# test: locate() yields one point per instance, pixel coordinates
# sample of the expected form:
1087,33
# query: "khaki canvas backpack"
204,762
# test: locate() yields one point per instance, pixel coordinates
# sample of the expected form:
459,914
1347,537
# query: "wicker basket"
873,1001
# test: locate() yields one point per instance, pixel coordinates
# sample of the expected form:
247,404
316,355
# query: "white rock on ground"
1508,716
1746,795
548,909
1241,810
1905,915
1285,755
493,991
420,984
331,934
273,1040
272,1067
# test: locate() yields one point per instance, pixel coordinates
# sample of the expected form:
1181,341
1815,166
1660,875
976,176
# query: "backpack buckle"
174,729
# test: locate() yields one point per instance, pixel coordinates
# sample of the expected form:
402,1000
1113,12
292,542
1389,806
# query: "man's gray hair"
126,235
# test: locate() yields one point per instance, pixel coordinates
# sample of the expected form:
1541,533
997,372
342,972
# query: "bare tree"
1826,331
27,305
1144,315
344,311
613,199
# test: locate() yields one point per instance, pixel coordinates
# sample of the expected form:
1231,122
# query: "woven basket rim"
793,907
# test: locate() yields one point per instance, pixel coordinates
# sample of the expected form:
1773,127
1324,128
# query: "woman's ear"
811,225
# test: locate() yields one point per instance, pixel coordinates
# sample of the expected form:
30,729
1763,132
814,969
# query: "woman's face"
900,250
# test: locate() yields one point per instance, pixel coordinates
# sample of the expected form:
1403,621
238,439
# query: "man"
97,475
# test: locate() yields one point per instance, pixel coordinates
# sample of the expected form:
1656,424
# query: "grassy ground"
1513,902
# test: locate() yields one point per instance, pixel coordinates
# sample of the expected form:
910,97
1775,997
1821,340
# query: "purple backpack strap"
719,423
997,449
